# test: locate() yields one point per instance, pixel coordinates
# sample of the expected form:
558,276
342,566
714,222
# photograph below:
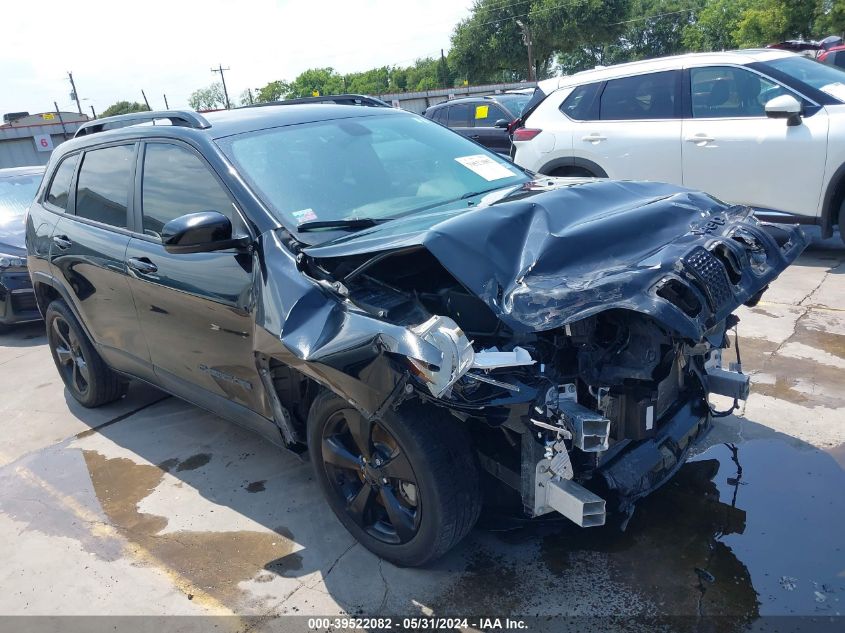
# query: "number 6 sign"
43,142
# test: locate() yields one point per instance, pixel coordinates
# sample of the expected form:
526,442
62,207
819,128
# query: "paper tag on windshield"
835,90
306,215
485,167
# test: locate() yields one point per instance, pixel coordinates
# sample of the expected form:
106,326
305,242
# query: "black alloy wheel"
371,474
87,377
70,358
407,486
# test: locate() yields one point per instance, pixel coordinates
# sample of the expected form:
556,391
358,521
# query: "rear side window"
57,194
104,184
176,182
650,96
579,105
439,115
459,115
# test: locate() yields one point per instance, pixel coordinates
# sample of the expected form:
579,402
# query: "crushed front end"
578,330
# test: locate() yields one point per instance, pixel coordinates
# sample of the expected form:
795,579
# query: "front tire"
406,487
87,377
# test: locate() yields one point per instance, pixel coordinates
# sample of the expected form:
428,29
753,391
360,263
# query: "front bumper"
642,469
17,298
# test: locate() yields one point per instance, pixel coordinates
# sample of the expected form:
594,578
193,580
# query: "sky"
169,46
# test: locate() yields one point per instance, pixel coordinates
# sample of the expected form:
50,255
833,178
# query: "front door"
483,117
733,151
195,309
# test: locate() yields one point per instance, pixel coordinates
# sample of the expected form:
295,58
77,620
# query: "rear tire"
842,220
416,495
87,377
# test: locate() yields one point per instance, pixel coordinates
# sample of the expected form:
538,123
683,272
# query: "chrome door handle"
595,137
142,265
62,242
699,138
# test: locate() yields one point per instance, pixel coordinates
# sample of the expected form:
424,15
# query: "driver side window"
727,92
176,182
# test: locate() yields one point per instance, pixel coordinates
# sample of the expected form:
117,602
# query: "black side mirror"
201,232
502,123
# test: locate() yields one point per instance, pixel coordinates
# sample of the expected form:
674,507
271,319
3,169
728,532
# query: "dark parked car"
18,186
483,119
416,312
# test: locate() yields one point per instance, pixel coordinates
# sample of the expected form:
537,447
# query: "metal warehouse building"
29,139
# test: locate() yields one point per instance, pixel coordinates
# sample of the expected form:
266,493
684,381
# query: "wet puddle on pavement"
768,539
93,498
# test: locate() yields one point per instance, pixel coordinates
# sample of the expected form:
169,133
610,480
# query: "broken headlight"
456,350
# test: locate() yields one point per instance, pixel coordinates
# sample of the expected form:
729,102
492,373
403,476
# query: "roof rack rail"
341,99
182,118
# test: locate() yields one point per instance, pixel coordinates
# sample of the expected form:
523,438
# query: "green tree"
829,18
491,42
208,98
124,107
716,25
273,91
325,81
370,82
655,28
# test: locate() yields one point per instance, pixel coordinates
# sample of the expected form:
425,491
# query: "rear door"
458,119
195,309
634,132
88,250
734,151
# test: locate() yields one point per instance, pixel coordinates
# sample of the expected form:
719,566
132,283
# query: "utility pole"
73,94
94,112
529,44
249,92
149,109
220,70
59,113
166,107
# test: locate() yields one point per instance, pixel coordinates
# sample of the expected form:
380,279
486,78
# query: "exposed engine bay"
581,348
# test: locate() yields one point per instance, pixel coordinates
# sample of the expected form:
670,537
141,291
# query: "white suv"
762,128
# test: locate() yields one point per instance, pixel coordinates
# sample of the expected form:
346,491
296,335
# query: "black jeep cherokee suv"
421,314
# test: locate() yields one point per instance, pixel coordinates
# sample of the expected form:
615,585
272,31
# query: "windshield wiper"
472,194
346,224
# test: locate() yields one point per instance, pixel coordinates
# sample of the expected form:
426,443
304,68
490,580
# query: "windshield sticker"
481,111
835,90
306,215
485,167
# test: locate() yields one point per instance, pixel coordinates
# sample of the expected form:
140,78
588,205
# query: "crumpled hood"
541,258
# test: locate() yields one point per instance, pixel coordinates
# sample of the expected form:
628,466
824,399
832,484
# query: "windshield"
375,167
16,194
829,79
514,102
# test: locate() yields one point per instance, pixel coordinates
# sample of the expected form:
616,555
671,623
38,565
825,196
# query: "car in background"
18,186
762,128
834,56
486,120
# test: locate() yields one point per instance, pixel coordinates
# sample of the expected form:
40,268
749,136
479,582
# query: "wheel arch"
833,196
570,162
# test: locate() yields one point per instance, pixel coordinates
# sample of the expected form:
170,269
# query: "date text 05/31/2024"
415,623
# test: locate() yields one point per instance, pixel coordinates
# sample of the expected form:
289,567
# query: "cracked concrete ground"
151,506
